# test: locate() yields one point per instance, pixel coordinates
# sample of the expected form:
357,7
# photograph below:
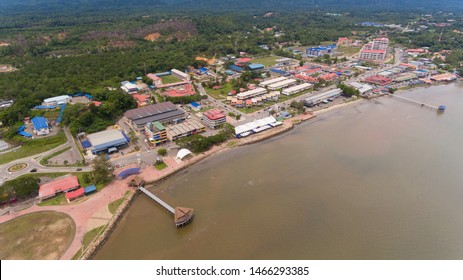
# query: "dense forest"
67,52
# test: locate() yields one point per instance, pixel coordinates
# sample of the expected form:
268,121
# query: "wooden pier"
182,215
414,102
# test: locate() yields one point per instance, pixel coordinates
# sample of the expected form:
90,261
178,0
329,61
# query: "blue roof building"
107,141
256,66
40,125
235,68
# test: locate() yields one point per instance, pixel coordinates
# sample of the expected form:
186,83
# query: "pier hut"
182,215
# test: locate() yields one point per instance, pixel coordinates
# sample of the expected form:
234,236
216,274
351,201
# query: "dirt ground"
41,235
153,36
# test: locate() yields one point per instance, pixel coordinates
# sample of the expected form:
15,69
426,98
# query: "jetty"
182,215
418,103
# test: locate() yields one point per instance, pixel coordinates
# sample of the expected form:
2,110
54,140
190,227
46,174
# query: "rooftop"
61,185
105,136
150,110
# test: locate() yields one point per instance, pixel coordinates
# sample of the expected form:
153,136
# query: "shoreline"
174,168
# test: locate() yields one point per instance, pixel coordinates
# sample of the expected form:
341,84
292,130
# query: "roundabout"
18,167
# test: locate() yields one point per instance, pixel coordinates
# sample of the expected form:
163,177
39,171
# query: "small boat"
441,108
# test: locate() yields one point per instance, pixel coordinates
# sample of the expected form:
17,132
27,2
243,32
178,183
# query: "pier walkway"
182,215
157,199
421,104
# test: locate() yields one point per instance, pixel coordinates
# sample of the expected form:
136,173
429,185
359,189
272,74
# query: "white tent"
183,153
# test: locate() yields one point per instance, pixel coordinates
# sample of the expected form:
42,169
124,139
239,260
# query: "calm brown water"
378,180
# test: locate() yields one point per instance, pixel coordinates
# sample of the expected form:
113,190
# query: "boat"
441,108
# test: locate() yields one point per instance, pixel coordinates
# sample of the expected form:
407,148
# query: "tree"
102,170
162,152
347,90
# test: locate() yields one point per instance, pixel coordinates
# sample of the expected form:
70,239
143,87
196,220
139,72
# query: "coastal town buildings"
107,141
165,113
156,133
213,118
184,129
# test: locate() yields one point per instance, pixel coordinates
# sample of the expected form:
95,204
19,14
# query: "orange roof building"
142,99
52,188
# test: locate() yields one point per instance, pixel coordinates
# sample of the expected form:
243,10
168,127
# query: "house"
142,99
40,125
195,106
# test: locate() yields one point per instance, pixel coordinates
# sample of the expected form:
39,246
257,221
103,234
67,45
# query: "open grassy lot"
221,93
36,236
169,79
31,147
348,50
267,60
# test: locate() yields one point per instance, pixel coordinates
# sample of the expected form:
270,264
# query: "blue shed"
90,189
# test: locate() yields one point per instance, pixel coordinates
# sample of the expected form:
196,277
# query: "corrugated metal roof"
150,110
39,122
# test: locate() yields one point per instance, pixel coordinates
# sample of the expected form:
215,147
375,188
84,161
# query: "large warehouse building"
165,113
107,141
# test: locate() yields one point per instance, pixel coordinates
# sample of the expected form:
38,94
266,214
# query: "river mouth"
376,180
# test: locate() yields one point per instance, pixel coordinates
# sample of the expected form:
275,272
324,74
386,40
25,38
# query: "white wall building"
179,74
57,100
296,89
282,84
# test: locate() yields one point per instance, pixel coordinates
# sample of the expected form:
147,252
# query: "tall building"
213,118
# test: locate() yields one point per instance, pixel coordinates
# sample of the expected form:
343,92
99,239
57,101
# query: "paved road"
34,162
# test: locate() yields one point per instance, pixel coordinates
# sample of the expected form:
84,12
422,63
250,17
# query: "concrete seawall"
98,242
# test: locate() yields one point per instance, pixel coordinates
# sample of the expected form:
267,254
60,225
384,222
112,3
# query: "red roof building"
378,80
72,195
142,99
329,77
213,118
309,79
53,188
232,92
184,90
96,103
243,60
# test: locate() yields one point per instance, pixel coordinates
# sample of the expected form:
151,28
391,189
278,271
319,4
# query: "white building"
181,75
272,81
129,87
282,84
296,89
375,55
362,88
58,100
251,93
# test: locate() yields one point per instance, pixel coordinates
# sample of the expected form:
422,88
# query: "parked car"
34,170
79,169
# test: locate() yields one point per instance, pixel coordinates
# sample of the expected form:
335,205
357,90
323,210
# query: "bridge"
182,215
414,102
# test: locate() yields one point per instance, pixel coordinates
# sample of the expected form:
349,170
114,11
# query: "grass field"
54,201
160,166
348,50
169,79
34,146
267,61
217,93
112,207
51,115
36,236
